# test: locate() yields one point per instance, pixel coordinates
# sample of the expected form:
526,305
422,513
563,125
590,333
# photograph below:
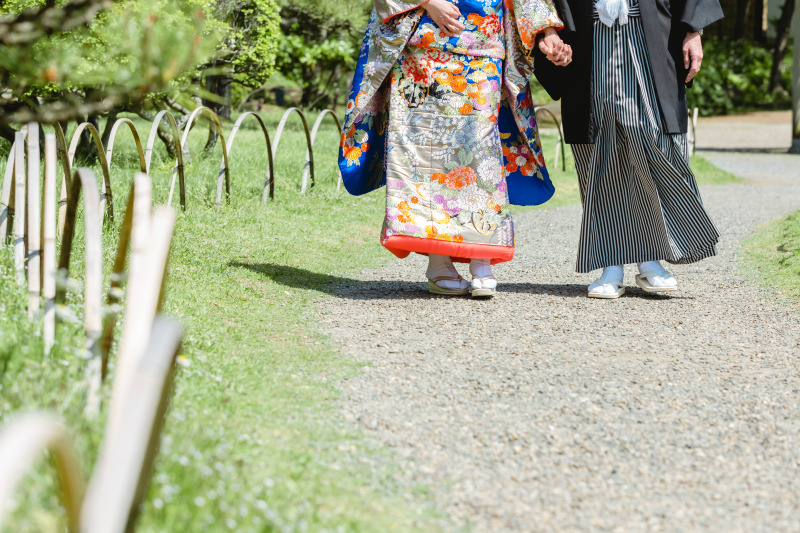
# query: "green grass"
253,439
772,257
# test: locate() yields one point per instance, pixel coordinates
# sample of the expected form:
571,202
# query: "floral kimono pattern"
447,124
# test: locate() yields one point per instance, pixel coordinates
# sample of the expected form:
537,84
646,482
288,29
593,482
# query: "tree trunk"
742,15
221,86
110,120
782,31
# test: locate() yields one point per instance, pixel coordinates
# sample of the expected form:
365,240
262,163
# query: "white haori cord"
610,11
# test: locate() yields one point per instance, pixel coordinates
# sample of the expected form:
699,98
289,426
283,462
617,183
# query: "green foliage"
136,43
320,44
251,43
735,77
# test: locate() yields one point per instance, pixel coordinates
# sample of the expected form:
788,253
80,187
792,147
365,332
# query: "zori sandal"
484,287
657,280
609,290
434,288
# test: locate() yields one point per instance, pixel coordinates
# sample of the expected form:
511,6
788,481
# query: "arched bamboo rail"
66,180
176,135
314,131
134,235
113,137
22,442
560,145
269,180
84,180
106,195
216,123
310,154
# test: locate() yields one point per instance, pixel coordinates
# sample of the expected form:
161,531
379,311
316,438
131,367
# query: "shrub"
735,77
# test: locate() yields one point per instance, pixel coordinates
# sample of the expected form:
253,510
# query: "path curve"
542,410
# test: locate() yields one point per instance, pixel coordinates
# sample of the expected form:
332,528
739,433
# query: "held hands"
555,49
692,54
445,15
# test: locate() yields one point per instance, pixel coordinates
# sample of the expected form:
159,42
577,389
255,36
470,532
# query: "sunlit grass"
253,439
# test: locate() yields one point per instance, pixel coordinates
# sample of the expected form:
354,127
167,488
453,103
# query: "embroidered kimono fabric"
448,126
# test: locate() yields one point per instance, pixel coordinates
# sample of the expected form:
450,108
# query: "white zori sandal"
609,285
653,277
484,285
434,288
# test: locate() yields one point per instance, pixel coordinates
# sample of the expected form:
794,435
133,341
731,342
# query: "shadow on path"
355,289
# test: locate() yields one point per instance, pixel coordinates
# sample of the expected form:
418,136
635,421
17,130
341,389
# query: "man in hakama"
624,112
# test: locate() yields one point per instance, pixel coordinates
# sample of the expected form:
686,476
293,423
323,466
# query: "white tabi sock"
606,283
441,265
656,274
480,268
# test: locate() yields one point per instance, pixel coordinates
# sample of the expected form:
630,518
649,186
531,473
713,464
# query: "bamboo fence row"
148,344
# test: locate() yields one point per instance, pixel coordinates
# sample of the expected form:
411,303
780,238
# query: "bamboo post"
144,303
19,214
84,180
49,251
34,221
22,442
6,208
314,131
135,232
126,458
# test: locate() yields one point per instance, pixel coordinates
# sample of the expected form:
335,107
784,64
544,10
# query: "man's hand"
445,15
555,49
692,54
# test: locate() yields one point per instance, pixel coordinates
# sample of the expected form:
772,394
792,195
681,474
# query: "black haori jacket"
665,24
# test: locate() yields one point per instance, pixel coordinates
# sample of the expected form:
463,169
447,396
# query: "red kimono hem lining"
460,252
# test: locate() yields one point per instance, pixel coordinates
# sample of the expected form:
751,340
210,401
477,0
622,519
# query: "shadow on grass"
344,287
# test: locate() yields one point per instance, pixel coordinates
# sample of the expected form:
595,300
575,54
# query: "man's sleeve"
697,14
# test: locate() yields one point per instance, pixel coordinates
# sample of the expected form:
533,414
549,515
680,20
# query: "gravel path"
542,410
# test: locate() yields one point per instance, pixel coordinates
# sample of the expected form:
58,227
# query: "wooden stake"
34,220
49,251
19,213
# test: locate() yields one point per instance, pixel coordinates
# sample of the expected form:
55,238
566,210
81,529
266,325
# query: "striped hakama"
640,198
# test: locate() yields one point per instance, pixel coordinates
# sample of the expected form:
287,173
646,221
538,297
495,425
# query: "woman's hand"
555,49
445,15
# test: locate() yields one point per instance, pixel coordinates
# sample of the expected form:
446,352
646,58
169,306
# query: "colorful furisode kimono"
447,124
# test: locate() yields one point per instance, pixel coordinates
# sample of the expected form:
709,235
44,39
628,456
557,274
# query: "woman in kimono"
440,112
624,112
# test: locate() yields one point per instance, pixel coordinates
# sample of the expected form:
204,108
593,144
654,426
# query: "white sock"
441,265
662,278
610,273
480,268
